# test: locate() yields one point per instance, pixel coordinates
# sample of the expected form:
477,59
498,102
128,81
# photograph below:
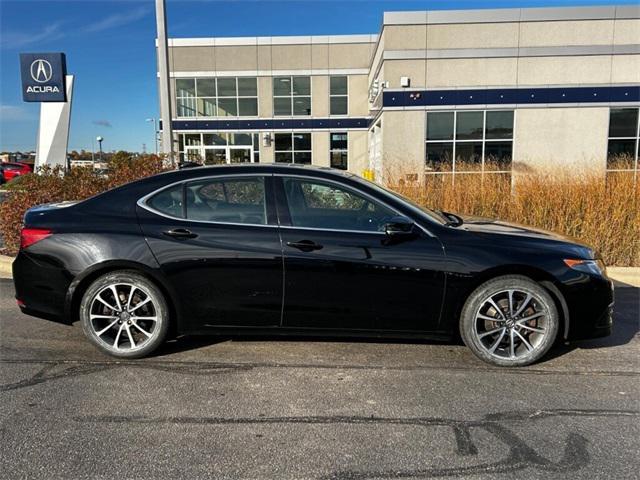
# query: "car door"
217,242
342,271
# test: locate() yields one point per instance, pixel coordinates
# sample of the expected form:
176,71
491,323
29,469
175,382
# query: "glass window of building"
315,204
338,95
186,97
292,96
219,147
624,133
469,141
338,150
292,147
217,97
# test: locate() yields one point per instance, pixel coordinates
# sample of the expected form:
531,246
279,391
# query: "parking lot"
301,408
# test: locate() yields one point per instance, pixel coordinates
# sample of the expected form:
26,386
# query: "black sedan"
282,249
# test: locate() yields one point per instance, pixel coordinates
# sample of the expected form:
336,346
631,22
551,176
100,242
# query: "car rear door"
217,242
343,272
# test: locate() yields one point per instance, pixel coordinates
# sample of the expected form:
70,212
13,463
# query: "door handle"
180,233
305,245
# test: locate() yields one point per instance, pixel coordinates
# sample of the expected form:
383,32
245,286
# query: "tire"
139,313
509,329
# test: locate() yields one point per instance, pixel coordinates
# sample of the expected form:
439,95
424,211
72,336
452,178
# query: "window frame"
269,201
635,168
339,95
483,140
196,98
291,96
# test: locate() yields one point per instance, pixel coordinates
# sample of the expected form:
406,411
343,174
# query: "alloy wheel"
123,317
511,324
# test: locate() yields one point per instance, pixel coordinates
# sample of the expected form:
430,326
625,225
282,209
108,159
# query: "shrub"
49,185
602,212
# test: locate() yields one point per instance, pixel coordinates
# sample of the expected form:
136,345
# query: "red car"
12,170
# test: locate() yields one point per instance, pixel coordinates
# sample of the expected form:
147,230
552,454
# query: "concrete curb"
625,276
5,266
622,276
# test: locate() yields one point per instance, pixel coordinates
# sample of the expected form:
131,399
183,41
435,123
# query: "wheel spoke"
93,317
141,329
491,319
144,302
498,340
496,308
510,295
133,289
531,317
108,327
131,341
153,319
533,329
115,294
512,350
523,305
115,342
101,300
524,340
490,332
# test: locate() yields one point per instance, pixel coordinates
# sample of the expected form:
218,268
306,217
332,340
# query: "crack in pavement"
73,368
520,454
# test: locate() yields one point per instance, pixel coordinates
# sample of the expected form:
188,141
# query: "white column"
53,132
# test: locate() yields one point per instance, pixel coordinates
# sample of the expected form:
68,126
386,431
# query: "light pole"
100,139
155,134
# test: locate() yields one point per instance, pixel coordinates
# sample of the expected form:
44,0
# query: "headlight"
594,267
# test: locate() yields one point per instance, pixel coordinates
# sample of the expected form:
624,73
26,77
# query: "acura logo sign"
41,71
43,77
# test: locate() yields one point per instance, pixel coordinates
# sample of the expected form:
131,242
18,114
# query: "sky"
109,47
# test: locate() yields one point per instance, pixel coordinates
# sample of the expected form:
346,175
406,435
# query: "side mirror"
399,226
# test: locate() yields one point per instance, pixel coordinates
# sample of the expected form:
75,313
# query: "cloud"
14,113
19,39
116,20
102,123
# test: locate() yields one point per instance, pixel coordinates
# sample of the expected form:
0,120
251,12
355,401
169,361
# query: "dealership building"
431,93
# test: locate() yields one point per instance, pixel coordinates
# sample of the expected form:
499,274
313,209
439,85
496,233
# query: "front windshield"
433,214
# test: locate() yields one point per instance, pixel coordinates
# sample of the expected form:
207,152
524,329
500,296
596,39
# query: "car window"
168,201
228,200
316,204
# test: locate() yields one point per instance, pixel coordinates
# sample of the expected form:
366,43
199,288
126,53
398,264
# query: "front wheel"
509,321
124,314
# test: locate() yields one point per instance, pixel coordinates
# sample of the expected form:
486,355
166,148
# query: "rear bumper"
41,286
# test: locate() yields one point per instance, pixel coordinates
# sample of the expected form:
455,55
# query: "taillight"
29,236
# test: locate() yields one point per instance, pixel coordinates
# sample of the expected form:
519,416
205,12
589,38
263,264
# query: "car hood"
534,237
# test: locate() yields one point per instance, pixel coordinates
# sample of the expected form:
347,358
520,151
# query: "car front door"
217,242
342,271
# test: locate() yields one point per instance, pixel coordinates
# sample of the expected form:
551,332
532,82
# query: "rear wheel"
124,314
509,321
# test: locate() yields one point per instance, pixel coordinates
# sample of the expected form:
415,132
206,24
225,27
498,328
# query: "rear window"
168,201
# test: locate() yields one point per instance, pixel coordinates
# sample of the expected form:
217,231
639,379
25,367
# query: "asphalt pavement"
319,409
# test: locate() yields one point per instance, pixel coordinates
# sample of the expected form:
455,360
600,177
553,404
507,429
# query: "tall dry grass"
602,212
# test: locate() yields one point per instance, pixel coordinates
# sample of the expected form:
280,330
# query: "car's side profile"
284,249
